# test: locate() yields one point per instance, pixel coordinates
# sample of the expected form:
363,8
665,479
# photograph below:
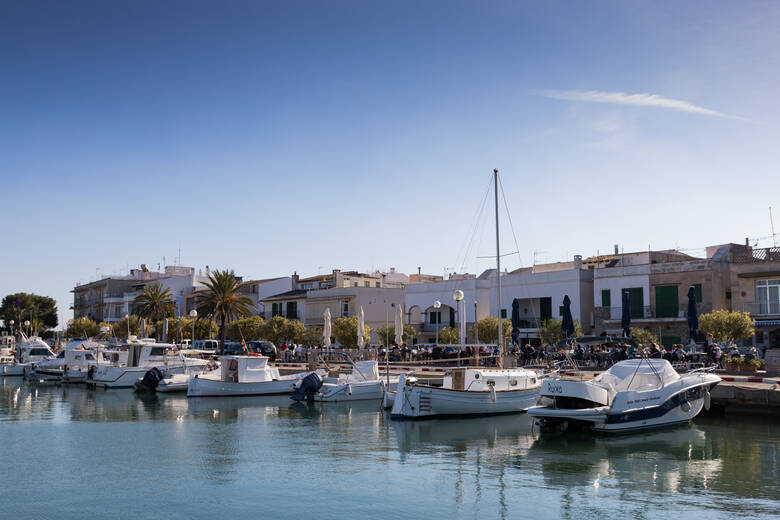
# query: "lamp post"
476,332
27,326
11,323
458,297
193,315
127,320
436,305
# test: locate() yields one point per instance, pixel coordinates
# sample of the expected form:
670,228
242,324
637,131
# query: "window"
503,313
378,284
39,352
560,310
697,290
356,284
276,309
606,298
367,284
344,308
767,297
435,317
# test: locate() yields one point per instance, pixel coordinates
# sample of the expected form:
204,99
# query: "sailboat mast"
498,272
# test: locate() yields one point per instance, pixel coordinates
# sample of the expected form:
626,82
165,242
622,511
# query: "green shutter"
636,295
560,310
503,313
606,298
697,289
667,303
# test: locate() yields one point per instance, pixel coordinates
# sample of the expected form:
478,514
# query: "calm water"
69,452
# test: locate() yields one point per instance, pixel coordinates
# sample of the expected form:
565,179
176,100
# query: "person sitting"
619,355
679,354
752,353
734,352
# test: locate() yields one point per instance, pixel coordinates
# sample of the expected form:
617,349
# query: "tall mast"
498,272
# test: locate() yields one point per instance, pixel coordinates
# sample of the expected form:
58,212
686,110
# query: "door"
545,308
637,295
666,301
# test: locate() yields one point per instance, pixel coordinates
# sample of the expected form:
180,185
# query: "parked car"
206,344
263,347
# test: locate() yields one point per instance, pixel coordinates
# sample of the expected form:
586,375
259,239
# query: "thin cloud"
642,100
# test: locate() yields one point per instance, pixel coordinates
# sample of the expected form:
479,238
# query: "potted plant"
750,365
733,364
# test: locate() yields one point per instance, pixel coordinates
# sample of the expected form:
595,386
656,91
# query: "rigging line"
476,219
470,243
517,246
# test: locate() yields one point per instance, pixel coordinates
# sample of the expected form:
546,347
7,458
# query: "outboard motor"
150,381
308,386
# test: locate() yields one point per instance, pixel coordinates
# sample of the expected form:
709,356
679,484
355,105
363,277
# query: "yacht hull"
213,387
11,370
418,402
123,377
357,391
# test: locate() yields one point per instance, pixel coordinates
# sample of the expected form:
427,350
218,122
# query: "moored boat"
636,394
243,376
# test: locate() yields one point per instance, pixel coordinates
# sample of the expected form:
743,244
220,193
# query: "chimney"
419,271
392,270
207,270
747,242
578,261
617,250
295,280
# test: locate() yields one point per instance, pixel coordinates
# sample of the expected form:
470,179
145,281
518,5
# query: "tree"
249,328
222,302
550,331
154,303
451,335
23,306
279,330
386,334
345,331
731,326
83,328
311,336
487,329
644,337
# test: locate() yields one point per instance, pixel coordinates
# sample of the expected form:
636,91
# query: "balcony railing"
762,308
652,312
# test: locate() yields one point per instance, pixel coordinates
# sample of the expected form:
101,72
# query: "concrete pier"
743,398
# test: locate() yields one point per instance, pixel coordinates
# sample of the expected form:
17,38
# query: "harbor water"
71,452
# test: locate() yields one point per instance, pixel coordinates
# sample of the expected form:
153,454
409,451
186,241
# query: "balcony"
652,312
433,327
762,308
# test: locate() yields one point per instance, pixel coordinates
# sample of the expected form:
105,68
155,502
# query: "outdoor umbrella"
143,328
567,323
165,331
515,322
693,317
361,329
326,332
625,321
399,326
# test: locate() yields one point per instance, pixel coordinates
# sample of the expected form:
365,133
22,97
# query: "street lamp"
11,323
27,326
127,320
476,333
193,315
458,297
436,305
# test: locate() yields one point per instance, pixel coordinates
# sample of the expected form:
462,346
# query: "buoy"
707,400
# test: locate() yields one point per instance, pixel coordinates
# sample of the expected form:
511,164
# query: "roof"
251,282
297,293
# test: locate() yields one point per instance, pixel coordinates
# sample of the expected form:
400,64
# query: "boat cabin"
482,379
247,369
150,354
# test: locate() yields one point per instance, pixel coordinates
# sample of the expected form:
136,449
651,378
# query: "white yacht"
180,381
28,352
635,394
68,366
468,391
363,383
141,356
242,375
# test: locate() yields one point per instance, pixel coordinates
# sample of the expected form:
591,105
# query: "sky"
280,137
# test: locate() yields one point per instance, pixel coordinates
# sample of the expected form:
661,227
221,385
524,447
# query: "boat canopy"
638,375
365,371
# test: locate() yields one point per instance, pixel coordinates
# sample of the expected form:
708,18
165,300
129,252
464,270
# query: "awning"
767,323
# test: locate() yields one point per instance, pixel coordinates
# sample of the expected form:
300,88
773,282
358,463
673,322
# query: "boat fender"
493,393
349,389
707,400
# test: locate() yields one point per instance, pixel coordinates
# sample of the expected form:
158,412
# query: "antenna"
772,224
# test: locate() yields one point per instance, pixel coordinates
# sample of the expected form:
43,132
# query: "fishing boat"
70,366
243,376
363,383
636,394
471,391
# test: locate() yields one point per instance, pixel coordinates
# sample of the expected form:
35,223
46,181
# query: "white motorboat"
70,366
243,375
141,357
635,394
363,383
179,382
468,391
30,351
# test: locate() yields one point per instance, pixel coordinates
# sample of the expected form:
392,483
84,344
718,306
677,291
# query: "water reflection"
492,467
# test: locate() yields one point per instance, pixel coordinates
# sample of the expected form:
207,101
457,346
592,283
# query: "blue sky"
273,137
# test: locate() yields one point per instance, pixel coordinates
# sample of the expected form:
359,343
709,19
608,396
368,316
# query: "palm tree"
222,302
154,303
